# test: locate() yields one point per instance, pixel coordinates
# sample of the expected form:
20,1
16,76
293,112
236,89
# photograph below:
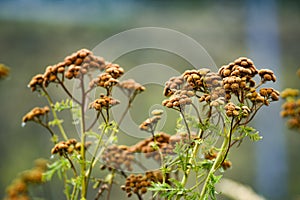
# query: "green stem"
93,161
60,127
188,170
66,191
110,185
218,161
74,192
82,148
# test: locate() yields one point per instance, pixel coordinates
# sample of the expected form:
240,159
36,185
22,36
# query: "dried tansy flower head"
35,113
68,147
37,80
118,157
4,71
153,146
289,92
19,188
150,123
138,184
109,77
233,87
74,66
104,102
291,108
172,85
131,86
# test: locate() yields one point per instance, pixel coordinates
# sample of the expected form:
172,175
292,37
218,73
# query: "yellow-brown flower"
36,112
4,71
104,102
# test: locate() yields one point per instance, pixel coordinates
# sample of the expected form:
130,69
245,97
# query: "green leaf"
251,133
63,105
255,136
55,122
57,167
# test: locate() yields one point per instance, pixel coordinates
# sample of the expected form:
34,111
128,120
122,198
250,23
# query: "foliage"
212,107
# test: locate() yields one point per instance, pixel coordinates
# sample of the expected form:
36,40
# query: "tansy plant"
214,111
291,107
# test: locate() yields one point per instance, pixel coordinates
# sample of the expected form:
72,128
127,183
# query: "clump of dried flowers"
291,107
222,104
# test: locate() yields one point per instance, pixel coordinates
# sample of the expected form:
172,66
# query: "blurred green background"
37,33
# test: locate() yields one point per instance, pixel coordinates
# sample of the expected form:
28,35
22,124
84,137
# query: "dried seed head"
4,71
289,92
35,113
36,81
104,102
131,86
114,70
172,85
267,75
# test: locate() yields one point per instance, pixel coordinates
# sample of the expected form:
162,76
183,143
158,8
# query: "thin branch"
60,127
186,124
94,122
71,163
67,91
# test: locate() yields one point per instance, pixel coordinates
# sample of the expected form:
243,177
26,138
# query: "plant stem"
93,161
45,125
74,192
67,91
186,124
188,170
218,161
60,127
82,149
110,185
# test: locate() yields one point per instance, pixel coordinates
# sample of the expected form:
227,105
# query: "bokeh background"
37,33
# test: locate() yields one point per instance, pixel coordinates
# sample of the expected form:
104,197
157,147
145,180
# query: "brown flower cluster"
114,70
172,85
179,99
4,71
85,58
233,111
18,190
103,102
234,81
131,86
181,89
150,123
267,75
289,93
109,77
118,157
241,67
291,107
150,147
73,66
269,93
138,184
36,81
238,76
195,78
35,113
238,79
122,157
104,80
68,147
